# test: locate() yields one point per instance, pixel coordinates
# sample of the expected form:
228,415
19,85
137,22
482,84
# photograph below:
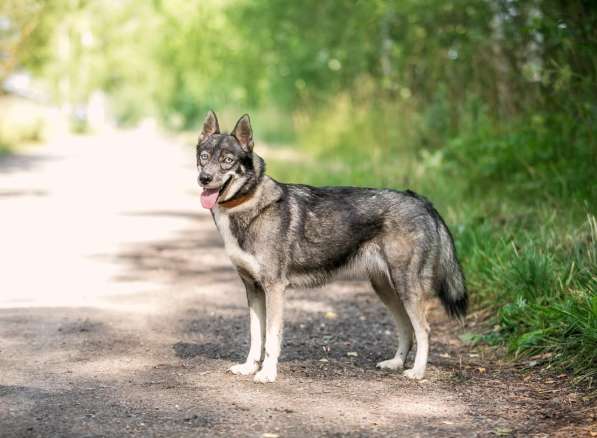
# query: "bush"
20,122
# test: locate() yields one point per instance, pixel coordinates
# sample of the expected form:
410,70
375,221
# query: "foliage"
20,122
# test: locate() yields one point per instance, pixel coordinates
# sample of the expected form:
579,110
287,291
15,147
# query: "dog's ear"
210,126
243,133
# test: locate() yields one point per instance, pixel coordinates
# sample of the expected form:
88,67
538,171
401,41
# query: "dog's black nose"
205,178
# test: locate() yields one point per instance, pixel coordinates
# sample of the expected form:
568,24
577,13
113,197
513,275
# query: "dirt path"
120,312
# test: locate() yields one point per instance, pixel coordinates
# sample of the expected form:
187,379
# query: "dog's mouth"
209,197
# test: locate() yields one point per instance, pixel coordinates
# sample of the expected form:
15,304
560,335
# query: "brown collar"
234,202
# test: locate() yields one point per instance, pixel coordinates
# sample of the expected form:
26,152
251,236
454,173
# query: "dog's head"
227,167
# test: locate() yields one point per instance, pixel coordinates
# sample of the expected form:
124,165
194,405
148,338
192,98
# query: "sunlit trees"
177,58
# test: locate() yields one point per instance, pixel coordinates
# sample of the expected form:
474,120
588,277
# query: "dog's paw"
244,369
266,375
391,364
414,374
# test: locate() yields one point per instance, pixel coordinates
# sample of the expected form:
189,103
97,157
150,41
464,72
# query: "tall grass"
520,199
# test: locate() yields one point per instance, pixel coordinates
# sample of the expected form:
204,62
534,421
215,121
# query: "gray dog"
291,235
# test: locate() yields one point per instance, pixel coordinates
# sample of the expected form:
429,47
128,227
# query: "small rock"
330,315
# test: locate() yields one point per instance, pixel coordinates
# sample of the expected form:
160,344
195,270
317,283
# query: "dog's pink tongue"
209,198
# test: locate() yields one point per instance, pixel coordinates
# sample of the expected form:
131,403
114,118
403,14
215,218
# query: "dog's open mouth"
209,197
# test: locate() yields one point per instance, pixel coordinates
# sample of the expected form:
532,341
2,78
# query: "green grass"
520,201
542,283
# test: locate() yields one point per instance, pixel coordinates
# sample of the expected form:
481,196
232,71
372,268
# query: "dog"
292,235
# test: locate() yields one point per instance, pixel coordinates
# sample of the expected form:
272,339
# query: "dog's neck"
255,195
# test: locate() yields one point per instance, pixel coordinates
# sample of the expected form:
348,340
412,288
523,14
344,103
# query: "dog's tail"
451,287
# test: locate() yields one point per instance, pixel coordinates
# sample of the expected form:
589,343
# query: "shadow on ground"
15,162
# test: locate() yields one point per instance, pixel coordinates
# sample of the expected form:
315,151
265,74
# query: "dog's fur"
285,235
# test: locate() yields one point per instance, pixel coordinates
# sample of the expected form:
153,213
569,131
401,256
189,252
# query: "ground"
120,314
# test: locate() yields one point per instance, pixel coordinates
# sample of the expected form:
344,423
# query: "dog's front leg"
274,301
256,302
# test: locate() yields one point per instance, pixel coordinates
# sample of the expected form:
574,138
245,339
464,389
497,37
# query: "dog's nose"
205,178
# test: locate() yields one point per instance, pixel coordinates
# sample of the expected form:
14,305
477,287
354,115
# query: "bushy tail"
451,288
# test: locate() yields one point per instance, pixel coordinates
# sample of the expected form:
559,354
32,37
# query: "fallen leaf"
323,359
352,353
481,370
270,435
330,315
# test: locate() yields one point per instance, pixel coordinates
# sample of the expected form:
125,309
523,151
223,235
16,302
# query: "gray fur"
291,235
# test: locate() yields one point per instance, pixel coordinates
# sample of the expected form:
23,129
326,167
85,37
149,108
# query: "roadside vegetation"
20,123
489,109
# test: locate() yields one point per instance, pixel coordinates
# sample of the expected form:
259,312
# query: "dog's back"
331,230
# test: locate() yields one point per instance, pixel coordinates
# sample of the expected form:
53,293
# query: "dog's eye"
228,160
203,156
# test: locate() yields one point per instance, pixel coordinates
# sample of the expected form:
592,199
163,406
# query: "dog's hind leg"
256,301
414,304
390,298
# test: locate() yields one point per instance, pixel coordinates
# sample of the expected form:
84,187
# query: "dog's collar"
235,202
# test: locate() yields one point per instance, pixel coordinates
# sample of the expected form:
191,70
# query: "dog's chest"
242,259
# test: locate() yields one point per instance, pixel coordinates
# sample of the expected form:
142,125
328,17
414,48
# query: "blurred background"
488,108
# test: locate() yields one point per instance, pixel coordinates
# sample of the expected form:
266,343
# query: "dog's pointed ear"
243,133
210,126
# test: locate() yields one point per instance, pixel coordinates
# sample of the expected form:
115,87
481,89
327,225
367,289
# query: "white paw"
266,375
244,369
414,374
391,364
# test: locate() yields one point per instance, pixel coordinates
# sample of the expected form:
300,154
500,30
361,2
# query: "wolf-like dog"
292,235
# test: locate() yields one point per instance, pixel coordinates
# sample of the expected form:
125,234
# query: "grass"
542,285
520,201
